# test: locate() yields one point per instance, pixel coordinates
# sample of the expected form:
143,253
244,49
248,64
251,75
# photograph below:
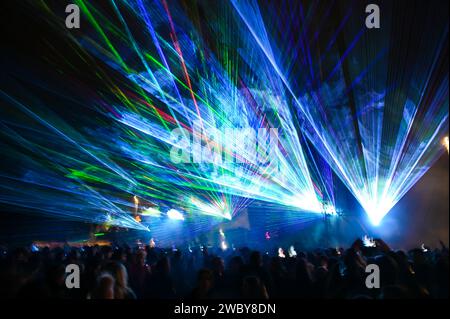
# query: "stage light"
445,142
223,245
375,220
329,209
377,209
175,214
375,215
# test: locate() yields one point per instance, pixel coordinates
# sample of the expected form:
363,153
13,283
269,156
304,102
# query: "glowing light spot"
292,252
175,214
445,142
223,245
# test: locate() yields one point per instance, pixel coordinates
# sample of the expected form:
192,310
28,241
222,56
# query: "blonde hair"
120,275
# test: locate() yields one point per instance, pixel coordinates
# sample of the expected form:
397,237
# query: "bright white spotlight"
375,219
223,245
375,216
227,215
329,209
175,214
377,211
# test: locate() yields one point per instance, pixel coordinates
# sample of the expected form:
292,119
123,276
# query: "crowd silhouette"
125,272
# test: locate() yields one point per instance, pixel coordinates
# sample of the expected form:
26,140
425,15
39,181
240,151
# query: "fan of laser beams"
374,102
123,145
203,93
